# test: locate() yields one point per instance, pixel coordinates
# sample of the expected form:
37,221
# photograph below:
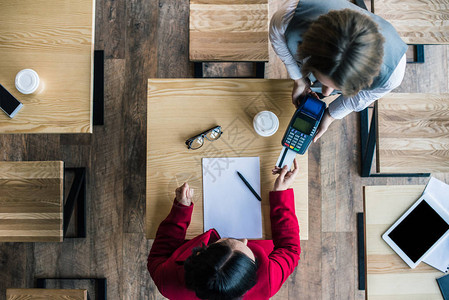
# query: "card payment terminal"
303,125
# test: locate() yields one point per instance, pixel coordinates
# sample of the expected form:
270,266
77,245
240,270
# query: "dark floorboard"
173,39
141,64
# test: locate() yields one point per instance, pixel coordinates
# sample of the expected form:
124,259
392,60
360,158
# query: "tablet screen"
419,231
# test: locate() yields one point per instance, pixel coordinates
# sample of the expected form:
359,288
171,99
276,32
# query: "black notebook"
443,283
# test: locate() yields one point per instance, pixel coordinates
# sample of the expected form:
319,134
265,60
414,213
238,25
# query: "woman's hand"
301,87
326,121
184,194
285,178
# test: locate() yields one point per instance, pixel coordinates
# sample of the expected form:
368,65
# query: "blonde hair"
345,46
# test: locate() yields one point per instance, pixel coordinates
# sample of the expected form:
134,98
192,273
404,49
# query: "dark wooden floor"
149,38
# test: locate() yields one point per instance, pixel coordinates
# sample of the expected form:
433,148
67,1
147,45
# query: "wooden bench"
96,287
228,30
416,21
31,201
411,134
45,294
32,208
228,35
387,275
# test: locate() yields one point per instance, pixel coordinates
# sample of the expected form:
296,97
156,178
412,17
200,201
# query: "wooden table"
229,30
45,294
413,133
417,21
56,40
181,108
31,201
388,276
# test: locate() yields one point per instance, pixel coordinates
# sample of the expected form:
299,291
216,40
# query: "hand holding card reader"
301,129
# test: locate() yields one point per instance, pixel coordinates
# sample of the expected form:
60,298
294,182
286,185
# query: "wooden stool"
31,201
45,294
411,132
387,275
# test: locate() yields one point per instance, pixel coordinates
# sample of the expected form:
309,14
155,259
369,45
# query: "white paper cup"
266,123
27,81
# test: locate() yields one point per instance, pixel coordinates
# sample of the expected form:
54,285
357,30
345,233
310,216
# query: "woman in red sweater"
208,267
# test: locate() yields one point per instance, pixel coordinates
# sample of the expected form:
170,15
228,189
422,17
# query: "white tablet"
418,230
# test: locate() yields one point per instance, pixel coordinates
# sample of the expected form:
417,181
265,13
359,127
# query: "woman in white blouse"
345,47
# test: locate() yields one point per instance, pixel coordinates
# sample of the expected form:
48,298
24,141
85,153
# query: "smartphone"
8,103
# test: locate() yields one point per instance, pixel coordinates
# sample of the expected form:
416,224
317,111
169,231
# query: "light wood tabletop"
413,133
45,294
31,201
181,108
230,30
417,21
388,276
56,40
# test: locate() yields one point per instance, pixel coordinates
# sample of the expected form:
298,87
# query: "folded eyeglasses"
197,141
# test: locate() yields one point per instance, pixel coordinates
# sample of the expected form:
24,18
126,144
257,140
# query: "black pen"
249,186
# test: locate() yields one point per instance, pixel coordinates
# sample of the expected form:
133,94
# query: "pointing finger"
296,170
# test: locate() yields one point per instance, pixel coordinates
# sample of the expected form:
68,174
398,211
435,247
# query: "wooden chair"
411,132
45,294
228,31
31,201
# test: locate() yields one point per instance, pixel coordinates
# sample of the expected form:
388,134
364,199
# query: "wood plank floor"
149,38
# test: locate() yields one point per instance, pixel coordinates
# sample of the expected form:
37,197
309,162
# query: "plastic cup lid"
27,81
266,123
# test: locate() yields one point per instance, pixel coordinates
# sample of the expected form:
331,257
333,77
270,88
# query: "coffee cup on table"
266,123
27,81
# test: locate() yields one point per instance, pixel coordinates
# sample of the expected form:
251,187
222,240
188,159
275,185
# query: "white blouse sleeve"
278,25
342,106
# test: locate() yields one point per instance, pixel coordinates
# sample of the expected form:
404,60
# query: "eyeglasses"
198,140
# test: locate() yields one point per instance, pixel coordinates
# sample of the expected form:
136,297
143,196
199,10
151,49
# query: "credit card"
286,157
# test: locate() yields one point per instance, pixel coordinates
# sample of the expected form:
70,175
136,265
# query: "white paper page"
229,206
439,257
439,191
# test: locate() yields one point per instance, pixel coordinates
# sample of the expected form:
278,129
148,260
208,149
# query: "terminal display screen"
304,124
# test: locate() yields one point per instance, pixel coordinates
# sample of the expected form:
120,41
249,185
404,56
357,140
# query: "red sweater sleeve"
285,233
169,237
